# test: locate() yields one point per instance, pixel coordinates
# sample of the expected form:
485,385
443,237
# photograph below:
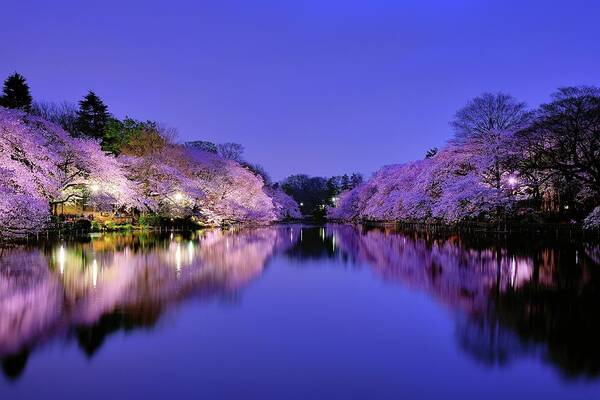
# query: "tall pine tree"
16,93
92,116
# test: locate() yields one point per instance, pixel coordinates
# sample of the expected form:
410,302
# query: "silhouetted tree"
63,114
312,193
203,145
259,170
486,125
15,93
231,151
564,142
92,116
431,152
355,180
13,365
345,182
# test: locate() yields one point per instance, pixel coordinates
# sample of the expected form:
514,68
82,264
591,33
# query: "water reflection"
509,298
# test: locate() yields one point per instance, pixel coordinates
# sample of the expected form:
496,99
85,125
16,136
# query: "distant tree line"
315,194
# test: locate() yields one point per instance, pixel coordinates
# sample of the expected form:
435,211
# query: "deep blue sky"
322,87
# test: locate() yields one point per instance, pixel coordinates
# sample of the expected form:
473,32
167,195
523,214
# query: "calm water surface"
300,312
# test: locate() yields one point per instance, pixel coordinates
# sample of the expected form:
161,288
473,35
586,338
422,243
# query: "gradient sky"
320,87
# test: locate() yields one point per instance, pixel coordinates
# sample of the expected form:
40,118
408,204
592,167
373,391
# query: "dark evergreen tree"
92,116
345,182
355,180
203,145
118,133
16,93
431,152
311,193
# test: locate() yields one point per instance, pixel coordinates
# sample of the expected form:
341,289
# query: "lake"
300,312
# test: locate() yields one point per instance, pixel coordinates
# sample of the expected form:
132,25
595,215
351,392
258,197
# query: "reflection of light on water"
94,273
190,250
178,258
333,243
322,234
61,259
513,271
300,235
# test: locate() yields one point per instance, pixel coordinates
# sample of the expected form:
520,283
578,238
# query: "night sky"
320,87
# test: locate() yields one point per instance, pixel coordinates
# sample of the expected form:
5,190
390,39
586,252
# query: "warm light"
94,273
94,188
178,259
190,250
61,259
178,196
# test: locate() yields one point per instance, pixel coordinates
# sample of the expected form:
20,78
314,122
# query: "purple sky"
314,86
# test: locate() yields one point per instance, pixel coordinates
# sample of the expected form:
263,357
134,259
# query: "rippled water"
300,312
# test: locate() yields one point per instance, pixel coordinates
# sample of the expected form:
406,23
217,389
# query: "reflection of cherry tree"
459,277
81,286
30,299
506,306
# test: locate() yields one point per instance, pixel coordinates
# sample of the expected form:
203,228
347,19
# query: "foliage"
43,166
149,220
231,151
258,170
63,114
92,116
118,134
20,213
592,221
203,145
15,93
431,152
314,194
285,206
502,155
563,143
